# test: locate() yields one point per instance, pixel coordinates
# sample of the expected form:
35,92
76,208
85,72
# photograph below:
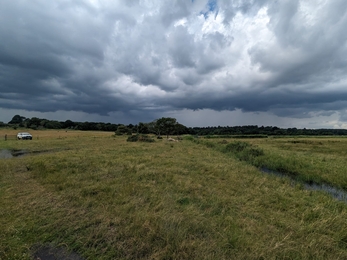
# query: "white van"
24,136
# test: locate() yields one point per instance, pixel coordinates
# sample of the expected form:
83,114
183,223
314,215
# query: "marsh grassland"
105,198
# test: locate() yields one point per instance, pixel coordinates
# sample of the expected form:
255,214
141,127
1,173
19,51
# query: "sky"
204,62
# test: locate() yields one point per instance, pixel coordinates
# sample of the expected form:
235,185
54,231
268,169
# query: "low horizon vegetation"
167,125
102,197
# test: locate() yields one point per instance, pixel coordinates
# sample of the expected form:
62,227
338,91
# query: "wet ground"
5,153
336,193
49,252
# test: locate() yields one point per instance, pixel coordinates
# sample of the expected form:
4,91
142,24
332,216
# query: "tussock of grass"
244,151
140,138
106,198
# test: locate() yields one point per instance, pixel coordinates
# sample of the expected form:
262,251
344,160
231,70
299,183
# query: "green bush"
140,138
146,138
244,151
133,138
188,137
237,146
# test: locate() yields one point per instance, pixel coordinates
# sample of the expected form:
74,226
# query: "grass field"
105,198
310,159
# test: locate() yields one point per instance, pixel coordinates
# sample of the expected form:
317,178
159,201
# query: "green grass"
106,198
318,160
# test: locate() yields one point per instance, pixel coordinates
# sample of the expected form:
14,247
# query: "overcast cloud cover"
216,62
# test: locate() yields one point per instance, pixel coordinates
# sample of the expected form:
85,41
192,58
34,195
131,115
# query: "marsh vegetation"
101,197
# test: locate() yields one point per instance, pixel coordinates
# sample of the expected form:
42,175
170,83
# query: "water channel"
336,193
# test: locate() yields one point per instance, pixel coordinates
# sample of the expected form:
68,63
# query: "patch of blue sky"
211,7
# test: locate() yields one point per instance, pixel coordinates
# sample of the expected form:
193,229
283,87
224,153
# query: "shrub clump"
133,138
237,146
188,137
140,138
244,151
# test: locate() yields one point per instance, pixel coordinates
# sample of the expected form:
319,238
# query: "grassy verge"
314,160
105,198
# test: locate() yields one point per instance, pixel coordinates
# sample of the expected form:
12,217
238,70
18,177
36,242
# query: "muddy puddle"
334,192
49,252
7,153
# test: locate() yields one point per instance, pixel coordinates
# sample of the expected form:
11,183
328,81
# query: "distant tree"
68,124
142,128
26,122
153,128
17,119
122,129
110,127
44,122
34,127
180,129
166,125
86,126
34,122
53,125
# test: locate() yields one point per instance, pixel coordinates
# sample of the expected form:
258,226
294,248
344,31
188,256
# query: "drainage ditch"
336,193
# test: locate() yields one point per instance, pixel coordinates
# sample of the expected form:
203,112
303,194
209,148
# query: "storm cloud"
145,59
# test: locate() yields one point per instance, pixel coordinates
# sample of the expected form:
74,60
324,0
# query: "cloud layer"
286,58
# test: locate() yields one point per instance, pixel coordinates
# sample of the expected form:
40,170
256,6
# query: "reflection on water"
332,191
5,153
336,193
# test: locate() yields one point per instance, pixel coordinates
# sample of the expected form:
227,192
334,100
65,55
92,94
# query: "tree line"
166,126
162,126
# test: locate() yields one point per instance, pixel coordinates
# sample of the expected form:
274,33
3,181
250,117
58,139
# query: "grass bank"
307,159
105,198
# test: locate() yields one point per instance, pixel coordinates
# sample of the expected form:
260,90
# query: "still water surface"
336,193
5,153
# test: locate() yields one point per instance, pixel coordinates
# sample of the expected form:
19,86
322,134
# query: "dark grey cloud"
285,58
